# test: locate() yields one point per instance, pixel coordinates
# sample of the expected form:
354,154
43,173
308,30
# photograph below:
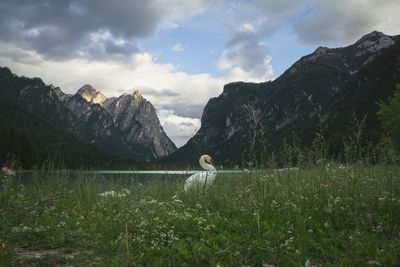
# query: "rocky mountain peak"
372,36
137,120
5,72
137,95
321,50
91,95
87,89
373,42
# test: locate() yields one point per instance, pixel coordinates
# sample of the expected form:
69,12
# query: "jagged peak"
321,50
137,94
372,36
5,70
86,89
91,95
373,42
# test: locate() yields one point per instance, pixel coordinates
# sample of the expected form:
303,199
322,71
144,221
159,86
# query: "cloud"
249,24
246,53
246,56
161,92
178,48
181,128
277,11
89,29
316,22
346,21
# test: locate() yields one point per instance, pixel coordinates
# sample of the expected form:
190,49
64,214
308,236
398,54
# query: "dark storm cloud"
68,28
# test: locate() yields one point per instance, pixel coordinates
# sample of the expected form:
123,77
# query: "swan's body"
202,178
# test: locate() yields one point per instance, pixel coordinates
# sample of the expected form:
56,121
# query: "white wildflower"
7,171
108,194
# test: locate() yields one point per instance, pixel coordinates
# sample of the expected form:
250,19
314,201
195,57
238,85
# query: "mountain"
36,127
325,87
136,118
40,123
95,124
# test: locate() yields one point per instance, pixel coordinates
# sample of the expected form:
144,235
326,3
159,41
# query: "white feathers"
202,178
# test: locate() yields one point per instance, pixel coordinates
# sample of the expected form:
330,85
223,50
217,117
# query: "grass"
326,215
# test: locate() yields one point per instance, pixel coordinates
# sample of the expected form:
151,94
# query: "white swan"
202,178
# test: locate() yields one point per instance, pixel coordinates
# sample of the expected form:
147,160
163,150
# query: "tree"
389,115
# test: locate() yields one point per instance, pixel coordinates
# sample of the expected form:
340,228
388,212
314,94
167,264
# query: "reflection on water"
120,177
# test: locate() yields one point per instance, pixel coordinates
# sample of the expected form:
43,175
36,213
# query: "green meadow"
324,215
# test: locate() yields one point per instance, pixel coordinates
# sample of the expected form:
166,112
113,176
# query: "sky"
178,53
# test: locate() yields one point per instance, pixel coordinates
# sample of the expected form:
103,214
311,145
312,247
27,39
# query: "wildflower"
377,229
287,242
374,263
112,193
26,229
7,171
39,229
274,204
125,191
108,194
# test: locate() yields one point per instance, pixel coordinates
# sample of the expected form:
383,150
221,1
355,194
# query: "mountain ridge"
80,119
312,89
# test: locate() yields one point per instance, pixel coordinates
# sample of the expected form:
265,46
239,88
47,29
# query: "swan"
202,177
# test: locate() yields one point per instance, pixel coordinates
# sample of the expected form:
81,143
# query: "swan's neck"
207,167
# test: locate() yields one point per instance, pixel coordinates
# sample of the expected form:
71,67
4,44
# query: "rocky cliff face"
326,86
129,120
137,120
97,126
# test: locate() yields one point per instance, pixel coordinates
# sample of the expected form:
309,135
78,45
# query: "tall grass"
325,215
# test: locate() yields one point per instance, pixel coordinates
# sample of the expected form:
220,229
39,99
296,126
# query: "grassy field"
319,216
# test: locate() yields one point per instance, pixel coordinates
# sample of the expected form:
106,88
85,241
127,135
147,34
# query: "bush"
389,115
